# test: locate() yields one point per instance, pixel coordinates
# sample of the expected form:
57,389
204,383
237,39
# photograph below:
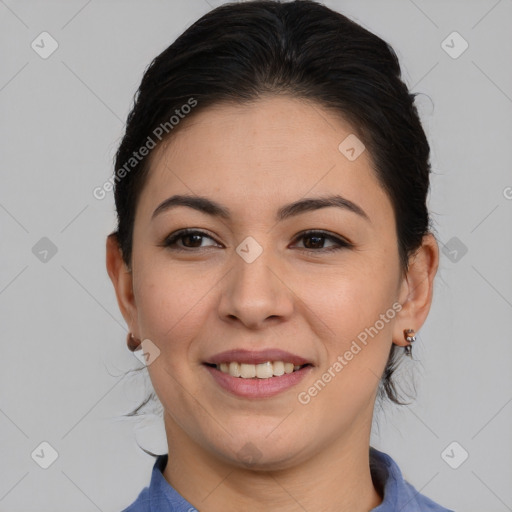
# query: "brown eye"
314,241
190,239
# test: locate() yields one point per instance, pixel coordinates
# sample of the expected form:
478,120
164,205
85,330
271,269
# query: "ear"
417,289
121,277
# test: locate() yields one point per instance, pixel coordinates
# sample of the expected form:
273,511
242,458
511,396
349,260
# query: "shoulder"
398,494
422,502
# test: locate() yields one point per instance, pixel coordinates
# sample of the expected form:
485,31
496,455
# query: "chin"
259,453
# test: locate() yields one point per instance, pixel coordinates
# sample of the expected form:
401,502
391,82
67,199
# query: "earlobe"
417,289
121,278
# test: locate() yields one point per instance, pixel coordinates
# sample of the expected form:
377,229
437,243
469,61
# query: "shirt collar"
386,475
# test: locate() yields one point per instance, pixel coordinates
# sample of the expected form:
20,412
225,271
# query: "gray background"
63,338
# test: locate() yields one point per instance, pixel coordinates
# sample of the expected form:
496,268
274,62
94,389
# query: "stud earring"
132,342
409,335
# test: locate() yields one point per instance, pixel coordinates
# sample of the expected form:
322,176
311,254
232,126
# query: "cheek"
354,317
172,308
350,298
170,303
356,347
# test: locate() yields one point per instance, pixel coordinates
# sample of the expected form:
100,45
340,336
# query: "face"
256,280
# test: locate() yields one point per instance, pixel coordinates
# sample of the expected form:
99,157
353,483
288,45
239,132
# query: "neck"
336,479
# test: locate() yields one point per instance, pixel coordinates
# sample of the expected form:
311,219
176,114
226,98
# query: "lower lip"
257,388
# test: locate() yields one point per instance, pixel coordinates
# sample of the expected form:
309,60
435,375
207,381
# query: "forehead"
269,151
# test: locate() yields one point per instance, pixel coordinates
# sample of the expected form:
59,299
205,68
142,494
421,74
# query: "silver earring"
409,335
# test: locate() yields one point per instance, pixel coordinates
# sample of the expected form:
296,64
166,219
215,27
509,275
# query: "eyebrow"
210,207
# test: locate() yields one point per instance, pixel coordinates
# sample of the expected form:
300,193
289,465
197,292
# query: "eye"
315,241
190,238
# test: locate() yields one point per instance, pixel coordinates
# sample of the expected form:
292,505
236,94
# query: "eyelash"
170,241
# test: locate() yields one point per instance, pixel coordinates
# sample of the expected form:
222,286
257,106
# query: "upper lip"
257,357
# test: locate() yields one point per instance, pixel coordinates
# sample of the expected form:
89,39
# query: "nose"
256,294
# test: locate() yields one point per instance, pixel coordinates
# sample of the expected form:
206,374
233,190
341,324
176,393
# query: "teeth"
288,367
247,371
278,368
264,370
234,369
260,371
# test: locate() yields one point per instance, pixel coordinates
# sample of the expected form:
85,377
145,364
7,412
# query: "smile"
257,374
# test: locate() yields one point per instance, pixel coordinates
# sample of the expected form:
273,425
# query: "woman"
273,254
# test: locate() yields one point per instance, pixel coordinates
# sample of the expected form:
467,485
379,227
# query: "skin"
253,159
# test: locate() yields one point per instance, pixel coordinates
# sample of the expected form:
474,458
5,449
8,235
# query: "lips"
257,374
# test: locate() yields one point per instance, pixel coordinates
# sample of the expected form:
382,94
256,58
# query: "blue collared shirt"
399,495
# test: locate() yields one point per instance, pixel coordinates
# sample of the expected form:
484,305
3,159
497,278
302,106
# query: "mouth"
260,374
